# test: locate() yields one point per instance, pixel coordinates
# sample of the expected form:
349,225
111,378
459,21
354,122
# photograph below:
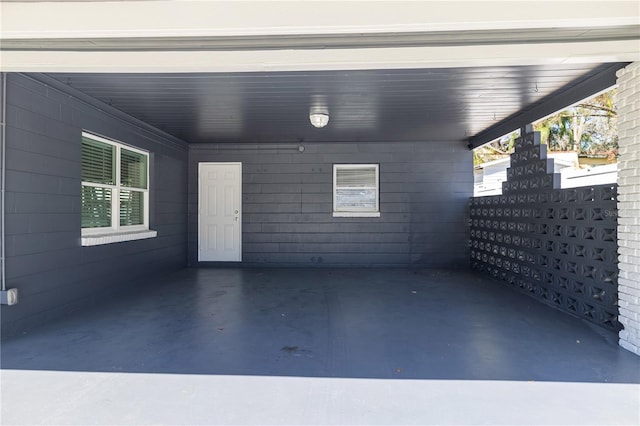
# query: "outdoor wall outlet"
9,297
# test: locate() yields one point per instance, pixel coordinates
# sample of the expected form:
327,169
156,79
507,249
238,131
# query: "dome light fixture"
319,119
319,112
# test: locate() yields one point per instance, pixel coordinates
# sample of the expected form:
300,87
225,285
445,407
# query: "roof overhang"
227,36
270,37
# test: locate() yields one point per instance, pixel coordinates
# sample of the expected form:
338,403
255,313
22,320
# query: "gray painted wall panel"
287,204
45,261
23,244
32,162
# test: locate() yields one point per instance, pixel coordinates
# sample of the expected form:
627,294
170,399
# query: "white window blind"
355,190
98,162
115,189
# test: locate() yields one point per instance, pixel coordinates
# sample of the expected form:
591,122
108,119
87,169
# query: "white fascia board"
95,19
321,59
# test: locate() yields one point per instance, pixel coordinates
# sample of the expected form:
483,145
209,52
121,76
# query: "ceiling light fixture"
319,119
319,111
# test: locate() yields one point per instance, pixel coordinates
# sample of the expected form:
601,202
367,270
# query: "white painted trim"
116,237
88,22
166,18
89,232
356,214
321,59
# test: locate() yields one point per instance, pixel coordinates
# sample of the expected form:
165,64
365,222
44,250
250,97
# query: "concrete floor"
319,346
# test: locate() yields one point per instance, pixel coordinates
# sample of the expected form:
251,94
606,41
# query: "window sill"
356,214
116,237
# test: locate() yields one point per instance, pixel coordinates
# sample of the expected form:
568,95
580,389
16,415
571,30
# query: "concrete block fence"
556,245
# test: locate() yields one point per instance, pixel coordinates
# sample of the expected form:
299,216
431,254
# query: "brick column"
628,103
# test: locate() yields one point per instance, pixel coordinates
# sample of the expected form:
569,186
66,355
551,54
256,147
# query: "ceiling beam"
188,18
557,101
319,59
247,36
328,41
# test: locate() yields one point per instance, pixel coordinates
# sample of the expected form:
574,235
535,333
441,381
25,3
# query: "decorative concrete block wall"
628,103
556,245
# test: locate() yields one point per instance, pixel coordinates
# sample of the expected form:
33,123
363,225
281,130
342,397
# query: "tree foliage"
588,128
500,148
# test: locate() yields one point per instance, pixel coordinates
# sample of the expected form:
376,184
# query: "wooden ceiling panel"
376,105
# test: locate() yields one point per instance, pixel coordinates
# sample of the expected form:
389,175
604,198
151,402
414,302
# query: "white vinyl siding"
115,191
356,190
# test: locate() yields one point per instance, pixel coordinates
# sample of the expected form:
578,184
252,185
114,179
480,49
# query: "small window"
115,192
356,190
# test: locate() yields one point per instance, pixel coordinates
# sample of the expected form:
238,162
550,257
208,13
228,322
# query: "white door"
219,212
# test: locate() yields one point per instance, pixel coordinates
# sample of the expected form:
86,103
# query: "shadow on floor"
352,323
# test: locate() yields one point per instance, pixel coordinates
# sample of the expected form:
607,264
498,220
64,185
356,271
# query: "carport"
259,253
310,346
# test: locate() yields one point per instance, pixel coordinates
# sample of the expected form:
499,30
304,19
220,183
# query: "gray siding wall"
287,204
44,258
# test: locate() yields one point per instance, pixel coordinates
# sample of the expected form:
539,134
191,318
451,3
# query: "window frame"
117,232
356,213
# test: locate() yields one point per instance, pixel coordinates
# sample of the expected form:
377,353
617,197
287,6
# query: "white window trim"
355,213
117,233
110,238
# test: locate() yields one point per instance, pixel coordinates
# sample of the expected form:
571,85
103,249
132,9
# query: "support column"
628,103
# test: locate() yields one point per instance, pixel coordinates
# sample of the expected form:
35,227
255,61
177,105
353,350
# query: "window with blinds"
356,190
115,189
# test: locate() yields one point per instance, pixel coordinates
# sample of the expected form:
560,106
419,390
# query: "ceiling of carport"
229,71
446,104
